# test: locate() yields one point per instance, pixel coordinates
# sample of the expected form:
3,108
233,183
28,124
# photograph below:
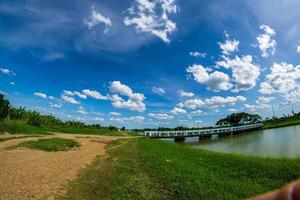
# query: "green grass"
51,144
151,169
12,138
277,124
92,131
21,127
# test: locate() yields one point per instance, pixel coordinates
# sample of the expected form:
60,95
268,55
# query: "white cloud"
39,94
115,113
186,94
81,110
266,43
283,79
137,119
264,100
55,105
196,112
134,101
215,81
7,71
198,54
82,96
298,49
152,17
12,83
96,18
98,119
215,101
68,93
159,91
69,99
244,72
94,94
233,110
178,111
161,116
229,46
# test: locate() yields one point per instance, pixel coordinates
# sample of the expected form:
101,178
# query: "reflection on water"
279,142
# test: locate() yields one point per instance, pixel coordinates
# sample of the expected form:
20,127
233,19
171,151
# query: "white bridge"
180,135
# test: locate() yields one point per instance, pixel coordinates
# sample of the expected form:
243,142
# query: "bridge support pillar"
202,137
179,139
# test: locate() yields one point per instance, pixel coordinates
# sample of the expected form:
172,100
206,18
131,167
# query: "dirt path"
33,174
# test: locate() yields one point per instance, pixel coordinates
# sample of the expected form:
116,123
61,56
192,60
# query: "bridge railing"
211,131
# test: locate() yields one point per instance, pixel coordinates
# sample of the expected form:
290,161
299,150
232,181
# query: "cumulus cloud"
283,79
159,91
298,49
266,43
115,113
94,94
55,105
7,71
244,71
82,111
82,96
161,116
229,46
97,18
39,94
178,111
152,17
74,93
137,119
264,100
215,101
134,101
198,54
186,94
215,81
196,113
233,110
69,99
98,119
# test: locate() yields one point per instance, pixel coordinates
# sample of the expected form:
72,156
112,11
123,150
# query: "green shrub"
51,144
4,107
35,119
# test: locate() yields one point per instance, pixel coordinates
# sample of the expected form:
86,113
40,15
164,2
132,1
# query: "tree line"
37,119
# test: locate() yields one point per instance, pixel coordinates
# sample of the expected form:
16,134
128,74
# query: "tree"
123,128
35,119
4,107
239,118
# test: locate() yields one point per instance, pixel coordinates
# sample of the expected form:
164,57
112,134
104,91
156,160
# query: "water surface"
278,142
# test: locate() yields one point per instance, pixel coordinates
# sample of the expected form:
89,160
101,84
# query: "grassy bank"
21,127
277,124
151,169
19,137
51,144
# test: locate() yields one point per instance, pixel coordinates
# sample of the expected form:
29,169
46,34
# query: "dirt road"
33,174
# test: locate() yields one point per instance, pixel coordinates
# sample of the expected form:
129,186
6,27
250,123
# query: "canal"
278,142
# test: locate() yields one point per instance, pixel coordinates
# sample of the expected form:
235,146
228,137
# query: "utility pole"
273,112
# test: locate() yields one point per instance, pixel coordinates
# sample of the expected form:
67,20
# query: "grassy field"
51,144
21,127
290,122
151,169
19,137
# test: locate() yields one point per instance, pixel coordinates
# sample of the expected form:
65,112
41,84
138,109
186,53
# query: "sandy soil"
33,174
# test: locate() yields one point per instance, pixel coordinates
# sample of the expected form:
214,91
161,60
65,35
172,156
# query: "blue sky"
142,63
